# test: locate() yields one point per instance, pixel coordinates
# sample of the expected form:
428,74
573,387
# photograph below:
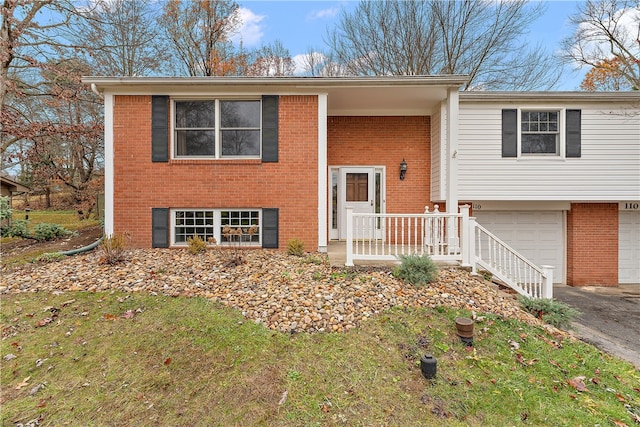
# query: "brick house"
190,156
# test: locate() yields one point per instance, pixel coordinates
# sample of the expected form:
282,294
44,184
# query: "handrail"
511,267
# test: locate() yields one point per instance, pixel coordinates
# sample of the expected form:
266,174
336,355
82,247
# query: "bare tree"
26,41
606,31
316,63
272,59
480,38
199,34
122,37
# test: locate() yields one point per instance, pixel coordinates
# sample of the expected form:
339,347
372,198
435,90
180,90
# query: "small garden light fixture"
403,169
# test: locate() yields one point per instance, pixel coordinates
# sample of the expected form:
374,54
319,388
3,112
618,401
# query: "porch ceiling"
384,101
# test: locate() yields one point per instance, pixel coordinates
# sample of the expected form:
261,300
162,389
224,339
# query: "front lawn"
81,358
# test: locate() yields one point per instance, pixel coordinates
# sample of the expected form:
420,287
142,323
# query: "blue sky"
301,25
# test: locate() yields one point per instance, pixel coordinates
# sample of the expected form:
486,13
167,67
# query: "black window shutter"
573,135
270,228
269,128
509,133
159,128
160,227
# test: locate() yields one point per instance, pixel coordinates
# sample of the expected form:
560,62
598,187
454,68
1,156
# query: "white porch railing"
510,267
444,237
387,236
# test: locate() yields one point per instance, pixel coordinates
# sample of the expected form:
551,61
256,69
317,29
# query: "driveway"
610,318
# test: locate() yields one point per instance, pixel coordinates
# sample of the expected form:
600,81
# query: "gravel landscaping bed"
286,293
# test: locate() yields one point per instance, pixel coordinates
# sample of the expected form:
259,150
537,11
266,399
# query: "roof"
583,96
385,95
14,186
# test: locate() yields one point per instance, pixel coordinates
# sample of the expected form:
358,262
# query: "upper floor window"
217,128
539,133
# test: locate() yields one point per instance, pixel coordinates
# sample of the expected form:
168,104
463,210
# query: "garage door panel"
629,247
538,236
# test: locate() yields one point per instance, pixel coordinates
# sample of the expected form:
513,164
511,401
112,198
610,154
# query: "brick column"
592,244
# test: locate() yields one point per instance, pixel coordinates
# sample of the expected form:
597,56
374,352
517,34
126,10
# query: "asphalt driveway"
610,317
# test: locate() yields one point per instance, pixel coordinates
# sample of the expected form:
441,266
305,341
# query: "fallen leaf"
520,359
283,398
43,322
24,383
578,384
129,314
621,397
66,303
620,423
514,345
42,404
167,361
109,316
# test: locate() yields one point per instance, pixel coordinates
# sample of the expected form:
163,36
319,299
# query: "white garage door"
629,247
538,235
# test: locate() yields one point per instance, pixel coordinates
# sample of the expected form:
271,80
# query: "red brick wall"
385,141
592,244
290,184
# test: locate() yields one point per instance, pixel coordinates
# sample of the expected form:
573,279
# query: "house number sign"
629,206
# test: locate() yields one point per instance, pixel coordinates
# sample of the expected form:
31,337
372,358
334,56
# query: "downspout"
95,90
82,249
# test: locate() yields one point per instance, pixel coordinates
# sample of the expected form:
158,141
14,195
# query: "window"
539,133
542,133
222,225
217,128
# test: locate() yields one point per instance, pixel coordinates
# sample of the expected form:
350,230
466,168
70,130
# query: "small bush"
114,249
295,247
551,311
18,228
196,244
416,269
46,231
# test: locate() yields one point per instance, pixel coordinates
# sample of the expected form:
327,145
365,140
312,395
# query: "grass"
134,359
68,219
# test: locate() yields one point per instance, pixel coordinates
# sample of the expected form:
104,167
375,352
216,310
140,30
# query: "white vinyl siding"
537,235
629,247
608,169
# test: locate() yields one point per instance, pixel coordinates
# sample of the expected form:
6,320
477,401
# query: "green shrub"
114,249
18,228
196,244
551,311
295,247
46,231
5,208
49,257
416,269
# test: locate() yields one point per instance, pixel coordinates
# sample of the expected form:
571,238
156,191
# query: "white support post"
349,262
547,287
471,231
464,234
322,173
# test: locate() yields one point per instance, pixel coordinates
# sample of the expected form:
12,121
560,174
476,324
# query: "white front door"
357,191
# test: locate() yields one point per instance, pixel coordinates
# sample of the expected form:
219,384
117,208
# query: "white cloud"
251,28
322,14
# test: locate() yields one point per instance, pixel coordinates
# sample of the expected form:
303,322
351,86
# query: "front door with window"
357,190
